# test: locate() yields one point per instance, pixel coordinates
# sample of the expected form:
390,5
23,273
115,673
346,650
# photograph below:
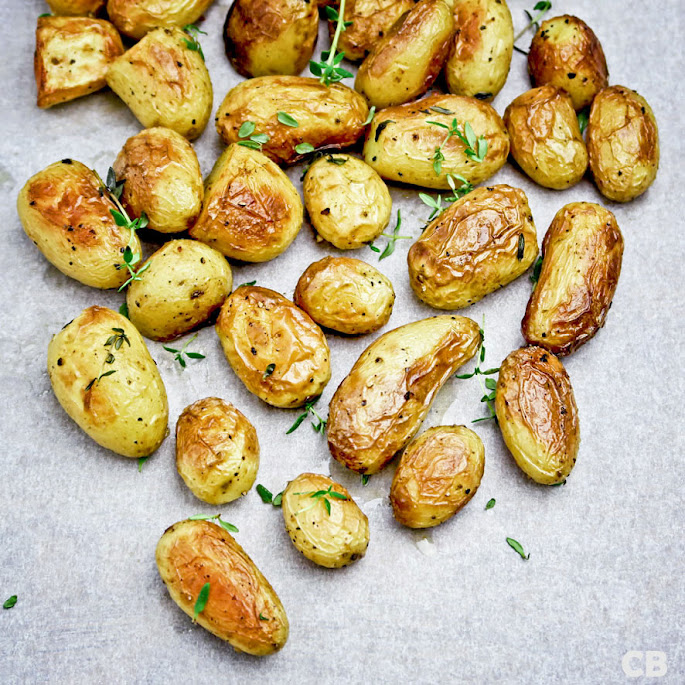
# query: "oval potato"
537,414
75,8
242,607
582,253
120,403
438,473
483,241
380,405
400,144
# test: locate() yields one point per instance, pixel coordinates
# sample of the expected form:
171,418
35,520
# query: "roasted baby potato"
327,116
72,57
545,137
403,64
217,451
400,144
68,219
380,405
251,211
480,51
242,608
438,473
164,83
75,8
537,414
582,253
275,37
346,295
105,379
181,286
162,178
274,347
136,17
483,241
566,53
329,529
347,201
623,143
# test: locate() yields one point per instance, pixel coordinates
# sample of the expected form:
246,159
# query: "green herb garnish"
217,517
201,601
268,498
518,548
285,119
392,239
481,358
304,148
521,247
542,7
319,425
328,68
179,354
193,42
113,342
475,147
365,478
322,495
262,618
583,118
372,114
248,283
535,276
338,161
435,203
10,601
123,310
489,399
249,138
268,371
141,461
490,504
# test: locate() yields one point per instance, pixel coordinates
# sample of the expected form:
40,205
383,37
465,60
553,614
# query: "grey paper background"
79,525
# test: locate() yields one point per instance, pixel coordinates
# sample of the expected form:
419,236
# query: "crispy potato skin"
438,473
400,144
184,285
331,540
75,8
380,405
135,18
545,136
472,249
69,221
623,143
480,51
192,553
125,412
251,211
72,57
345,295
537,414
582,251
567,54
164,83
217,451
266,37
348,204
258,327
328,116
403,64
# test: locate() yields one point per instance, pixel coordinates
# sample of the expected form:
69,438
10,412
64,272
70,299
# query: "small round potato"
438,473
567,54
346,295
537,414
274,347
623,143
75,8
329,528
242,607
545,137
183,284
135,18
347,201
217,451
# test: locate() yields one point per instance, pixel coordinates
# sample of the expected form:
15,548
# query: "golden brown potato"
566,53
67,217
274,37
217,451
184,284
483,241
380,405
403,64
242,608
274,347
480,51
582,253
105,379
251,211
329,529
400,144
537,414
72,57
438,474
328,117
347,202
75,8
623,143
346,295
164,83
545,137
136,17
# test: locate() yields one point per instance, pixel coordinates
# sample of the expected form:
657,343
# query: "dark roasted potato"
75,8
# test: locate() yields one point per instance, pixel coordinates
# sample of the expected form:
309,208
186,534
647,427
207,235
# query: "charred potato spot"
135,18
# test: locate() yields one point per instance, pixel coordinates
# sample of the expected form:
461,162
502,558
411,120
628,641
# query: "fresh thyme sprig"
268,497
435,203
329,69
392,239
287,120
535,276
113,342
518,548
365,478
583,117
372,114
543,7
268,371
489,399
217,517
481,358
193,42
319,425
249,138
304,148
322,495
476,147
201,601
179,354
